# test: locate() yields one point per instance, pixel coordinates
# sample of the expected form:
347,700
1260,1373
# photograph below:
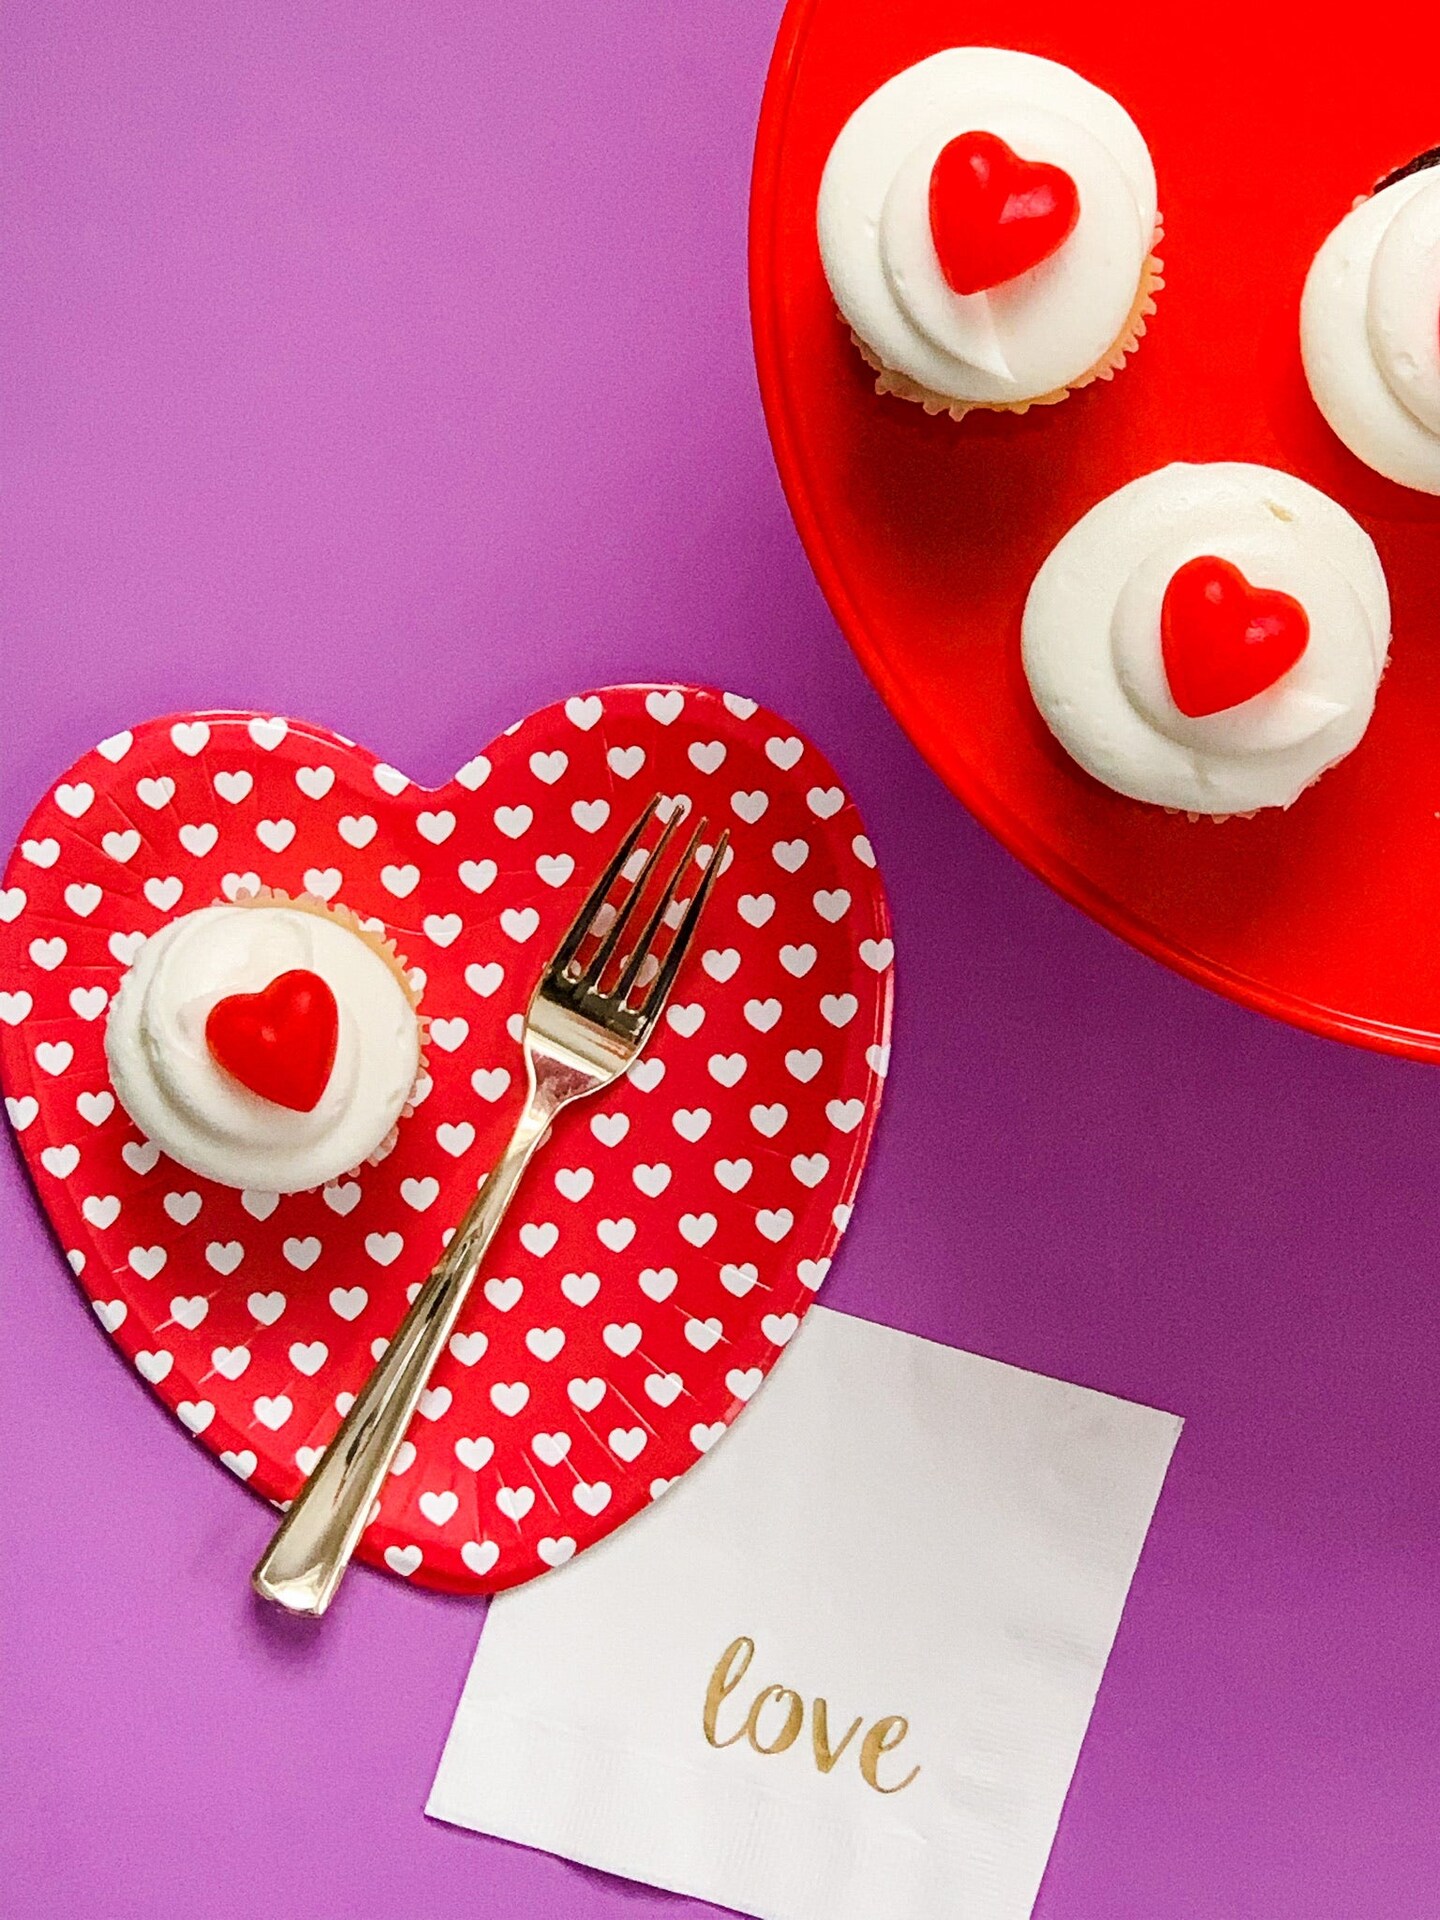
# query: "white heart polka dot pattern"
670,1236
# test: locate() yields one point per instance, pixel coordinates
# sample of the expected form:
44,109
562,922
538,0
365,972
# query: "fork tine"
670,965
595,899
647,939
594,972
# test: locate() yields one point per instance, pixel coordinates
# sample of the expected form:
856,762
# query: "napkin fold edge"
762,1852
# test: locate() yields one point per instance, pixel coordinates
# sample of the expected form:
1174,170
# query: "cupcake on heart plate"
1209,638
265,1042
1370,327
987,224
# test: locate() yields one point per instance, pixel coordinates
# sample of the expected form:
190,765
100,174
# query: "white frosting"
1030,335
176,1094
1091,638
1370,331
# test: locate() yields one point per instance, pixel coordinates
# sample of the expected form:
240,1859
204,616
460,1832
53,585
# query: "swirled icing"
1092,650
1047,327
167,1081
1370,331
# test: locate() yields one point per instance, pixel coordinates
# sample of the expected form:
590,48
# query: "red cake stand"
925,534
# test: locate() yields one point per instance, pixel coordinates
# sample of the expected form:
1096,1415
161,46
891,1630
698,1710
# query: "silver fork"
580,1036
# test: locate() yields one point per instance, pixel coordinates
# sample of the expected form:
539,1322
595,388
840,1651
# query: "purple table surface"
388,363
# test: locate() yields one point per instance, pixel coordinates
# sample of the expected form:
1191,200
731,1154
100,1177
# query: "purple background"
388,364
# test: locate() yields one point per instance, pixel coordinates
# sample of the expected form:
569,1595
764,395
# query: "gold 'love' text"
776,1715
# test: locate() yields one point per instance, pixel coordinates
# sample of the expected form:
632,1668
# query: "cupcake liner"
1126,342
1422,163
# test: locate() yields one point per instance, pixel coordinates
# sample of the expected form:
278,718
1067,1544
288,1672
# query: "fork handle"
304,1563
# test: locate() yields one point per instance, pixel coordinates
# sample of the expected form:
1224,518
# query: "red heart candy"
1222,640
279,1042
993,215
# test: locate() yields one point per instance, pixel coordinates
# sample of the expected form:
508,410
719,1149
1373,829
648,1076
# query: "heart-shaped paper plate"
670,1235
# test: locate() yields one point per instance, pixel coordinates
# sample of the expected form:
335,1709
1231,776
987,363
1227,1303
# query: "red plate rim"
984,803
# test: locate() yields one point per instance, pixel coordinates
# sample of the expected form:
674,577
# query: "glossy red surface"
925,533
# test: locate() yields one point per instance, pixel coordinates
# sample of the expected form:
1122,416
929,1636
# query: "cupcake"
1209,638
986,224
1370,327
266,1043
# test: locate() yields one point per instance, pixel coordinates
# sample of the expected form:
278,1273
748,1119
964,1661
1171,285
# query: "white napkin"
936,1546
